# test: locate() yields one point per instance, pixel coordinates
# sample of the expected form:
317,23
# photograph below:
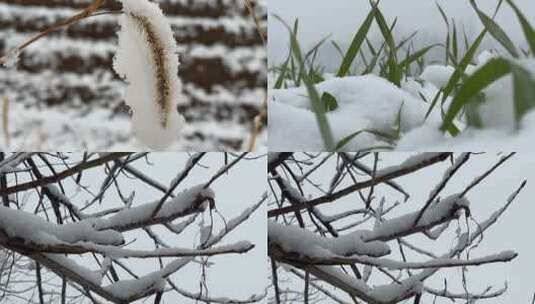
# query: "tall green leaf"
474,84
394,72
317,106
329,101
524,91
283,71
496,31
416,55
461,67
344,141
526,27
354,48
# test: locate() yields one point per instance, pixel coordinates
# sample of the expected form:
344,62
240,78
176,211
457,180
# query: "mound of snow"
372,103
438,75
364,102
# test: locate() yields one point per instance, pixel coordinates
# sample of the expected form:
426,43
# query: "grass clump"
396,60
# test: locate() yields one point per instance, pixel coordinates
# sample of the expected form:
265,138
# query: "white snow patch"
438,75
32,228
294,239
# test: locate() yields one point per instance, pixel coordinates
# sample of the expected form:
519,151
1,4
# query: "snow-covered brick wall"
222,67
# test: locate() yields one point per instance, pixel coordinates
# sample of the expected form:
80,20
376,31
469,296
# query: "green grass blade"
416,55
490,72
313,51
373,62
394,72
386,31
338,49
370,46
282,75
404,41
344,141
454,48
496,31
447,48
461,67
526,27
443,14
524,92
317,106
329,101
354,48
433,103
465,38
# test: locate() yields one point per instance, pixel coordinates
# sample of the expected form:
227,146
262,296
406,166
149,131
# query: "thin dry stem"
5,119
82,15
258,123
250,7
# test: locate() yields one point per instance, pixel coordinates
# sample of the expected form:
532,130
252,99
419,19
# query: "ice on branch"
147,59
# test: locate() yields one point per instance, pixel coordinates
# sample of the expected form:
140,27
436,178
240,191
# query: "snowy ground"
372,103
66,129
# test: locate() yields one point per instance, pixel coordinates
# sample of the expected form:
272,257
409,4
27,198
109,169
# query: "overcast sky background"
234,276
512,232
342,18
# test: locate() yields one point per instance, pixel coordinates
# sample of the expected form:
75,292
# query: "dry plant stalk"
258,123
82,15
250,7
262,115
163,98
5,119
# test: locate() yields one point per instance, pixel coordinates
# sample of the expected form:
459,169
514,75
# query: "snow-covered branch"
96,228
349,253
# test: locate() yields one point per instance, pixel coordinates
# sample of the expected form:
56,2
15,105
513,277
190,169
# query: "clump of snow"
30,227
294,239
440,212
496,112
411,161
429,138
146,57
11,58
185,203
131,289
89,275
438,75
393,293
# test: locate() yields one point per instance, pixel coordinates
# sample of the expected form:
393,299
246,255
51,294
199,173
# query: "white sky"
510,233
235,276
342,18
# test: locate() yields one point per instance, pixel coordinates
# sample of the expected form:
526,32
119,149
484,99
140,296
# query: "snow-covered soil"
372,103
65,129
